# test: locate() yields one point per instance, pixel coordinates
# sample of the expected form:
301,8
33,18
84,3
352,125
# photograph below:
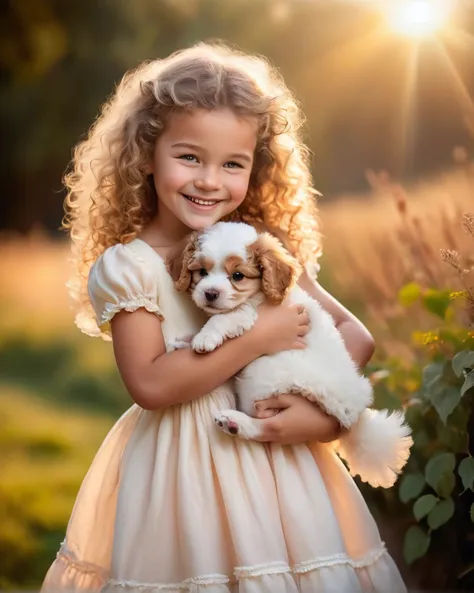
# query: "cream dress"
171,503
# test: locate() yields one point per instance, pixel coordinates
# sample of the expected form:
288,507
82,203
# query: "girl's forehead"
202,126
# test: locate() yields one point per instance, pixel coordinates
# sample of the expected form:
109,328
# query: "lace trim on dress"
259,570
132,305
69,558
241,572
211,579
339,559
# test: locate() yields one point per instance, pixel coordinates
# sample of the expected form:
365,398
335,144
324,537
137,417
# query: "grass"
45,453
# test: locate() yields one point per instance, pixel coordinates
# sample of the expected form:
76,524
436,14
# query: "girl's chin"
199,223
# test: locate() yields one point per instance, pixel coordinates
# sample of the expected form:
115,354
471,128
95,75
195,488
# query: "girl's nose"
208,181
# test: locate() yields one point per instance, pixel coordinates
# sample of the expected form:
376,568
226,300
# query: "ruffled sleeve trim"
131,306
124,278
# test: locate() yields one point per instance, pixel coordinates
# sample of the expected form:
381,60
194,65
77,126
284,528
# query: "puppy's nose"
211,295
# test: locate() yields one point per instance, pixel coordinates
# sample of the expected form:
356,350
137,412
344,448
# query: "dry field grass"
380,242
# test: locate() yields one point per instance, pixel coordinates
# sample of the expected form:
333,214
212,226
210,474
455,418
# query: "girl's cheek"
177,176
241,186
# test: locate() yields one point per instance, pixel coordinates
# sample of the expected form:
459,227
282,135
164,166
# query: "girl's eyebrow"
186,145
189,145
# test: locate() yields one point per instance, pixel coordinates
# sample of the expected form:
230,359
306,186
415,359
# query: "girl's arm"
359,342
155,378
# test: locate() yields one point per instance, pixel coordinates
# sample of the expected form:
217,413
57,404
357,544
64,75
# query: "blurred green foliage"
44,452
60,393
436,491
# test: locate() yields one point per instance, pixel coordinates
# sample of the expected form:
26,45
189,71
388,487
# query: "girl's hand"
281,327
293,419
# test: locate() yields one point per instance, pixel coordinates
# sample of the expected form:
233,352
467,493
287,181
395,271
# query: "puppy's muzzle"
211,295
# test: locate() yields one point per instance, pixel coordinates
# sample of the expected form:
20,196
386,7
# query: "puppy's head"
224,266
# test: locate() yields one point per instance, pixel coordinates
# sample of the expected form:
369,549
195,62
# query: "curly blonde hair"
110,196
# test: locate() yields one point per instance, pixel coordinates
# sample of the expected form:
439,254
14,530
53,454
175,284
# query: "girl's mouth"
200,201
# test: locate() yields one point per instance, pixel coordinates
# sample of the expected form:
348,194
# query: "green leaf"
466,472
439,473
463,360
449,376
468,383
431,375
446,485
416,544
411,486
472,512
437,302
409,294
424,505
444,398
441,513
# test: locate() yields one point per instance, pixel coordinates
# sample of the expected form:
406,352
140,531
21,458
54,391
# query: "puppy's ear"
280,270
179,262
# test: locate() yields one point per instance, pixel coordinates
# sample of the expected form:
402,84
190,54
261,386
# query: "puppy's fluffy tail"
376,447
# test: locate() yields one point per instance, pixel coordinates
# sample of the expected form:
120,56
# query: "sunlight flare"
418,18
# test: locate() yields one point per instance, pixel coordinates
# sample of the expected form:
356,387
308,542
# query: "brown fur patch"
250,283
280,270
180,262
234,263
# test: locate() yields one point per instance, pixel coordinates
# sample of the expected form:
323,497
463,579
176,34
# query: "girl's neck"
164,231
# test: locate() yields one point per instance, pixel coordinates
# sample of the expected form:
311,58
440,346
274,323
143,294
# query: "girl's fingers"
304,318
260,406
303,330
267,413
271,402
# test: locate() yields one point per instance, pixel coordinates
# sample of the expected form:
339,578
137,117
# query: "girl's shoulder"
136,256
125,276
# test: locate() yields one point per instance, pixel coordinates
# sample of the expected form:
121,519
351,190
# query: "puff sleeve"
119,280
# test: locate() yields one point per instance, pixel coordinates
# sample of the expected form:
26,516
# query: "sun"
417,18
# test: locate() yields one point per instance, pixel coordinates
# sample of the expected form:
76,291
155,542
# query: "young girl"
171,503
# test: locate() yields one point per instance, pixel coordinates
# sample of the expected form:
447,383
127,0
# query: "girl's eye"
202,272
237,276
188,157
233,165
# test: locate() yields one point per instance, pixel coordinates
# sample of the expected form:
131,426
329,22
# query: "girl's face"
201,166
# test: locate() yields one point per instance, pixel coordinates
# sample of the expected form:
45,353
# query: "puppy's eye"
203,272
237,276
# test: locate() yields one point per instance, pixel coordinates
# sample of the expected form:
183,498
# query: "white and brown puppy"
230,269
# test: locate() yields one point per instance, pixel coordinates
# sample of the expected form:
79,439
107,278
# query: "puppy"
229,270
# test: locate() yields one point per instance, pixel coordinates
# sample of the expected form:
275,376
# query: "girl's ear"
280,270
179,262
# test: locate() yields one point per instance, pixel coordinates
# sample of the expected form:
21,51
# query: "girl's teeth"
201,202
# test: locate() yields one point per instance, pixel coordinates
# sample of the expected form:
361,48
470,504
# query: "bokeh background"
390,123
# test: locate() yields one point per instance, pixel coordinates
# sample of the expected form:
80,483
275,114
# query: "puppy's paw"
181,343
238,424
240,329
206,342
